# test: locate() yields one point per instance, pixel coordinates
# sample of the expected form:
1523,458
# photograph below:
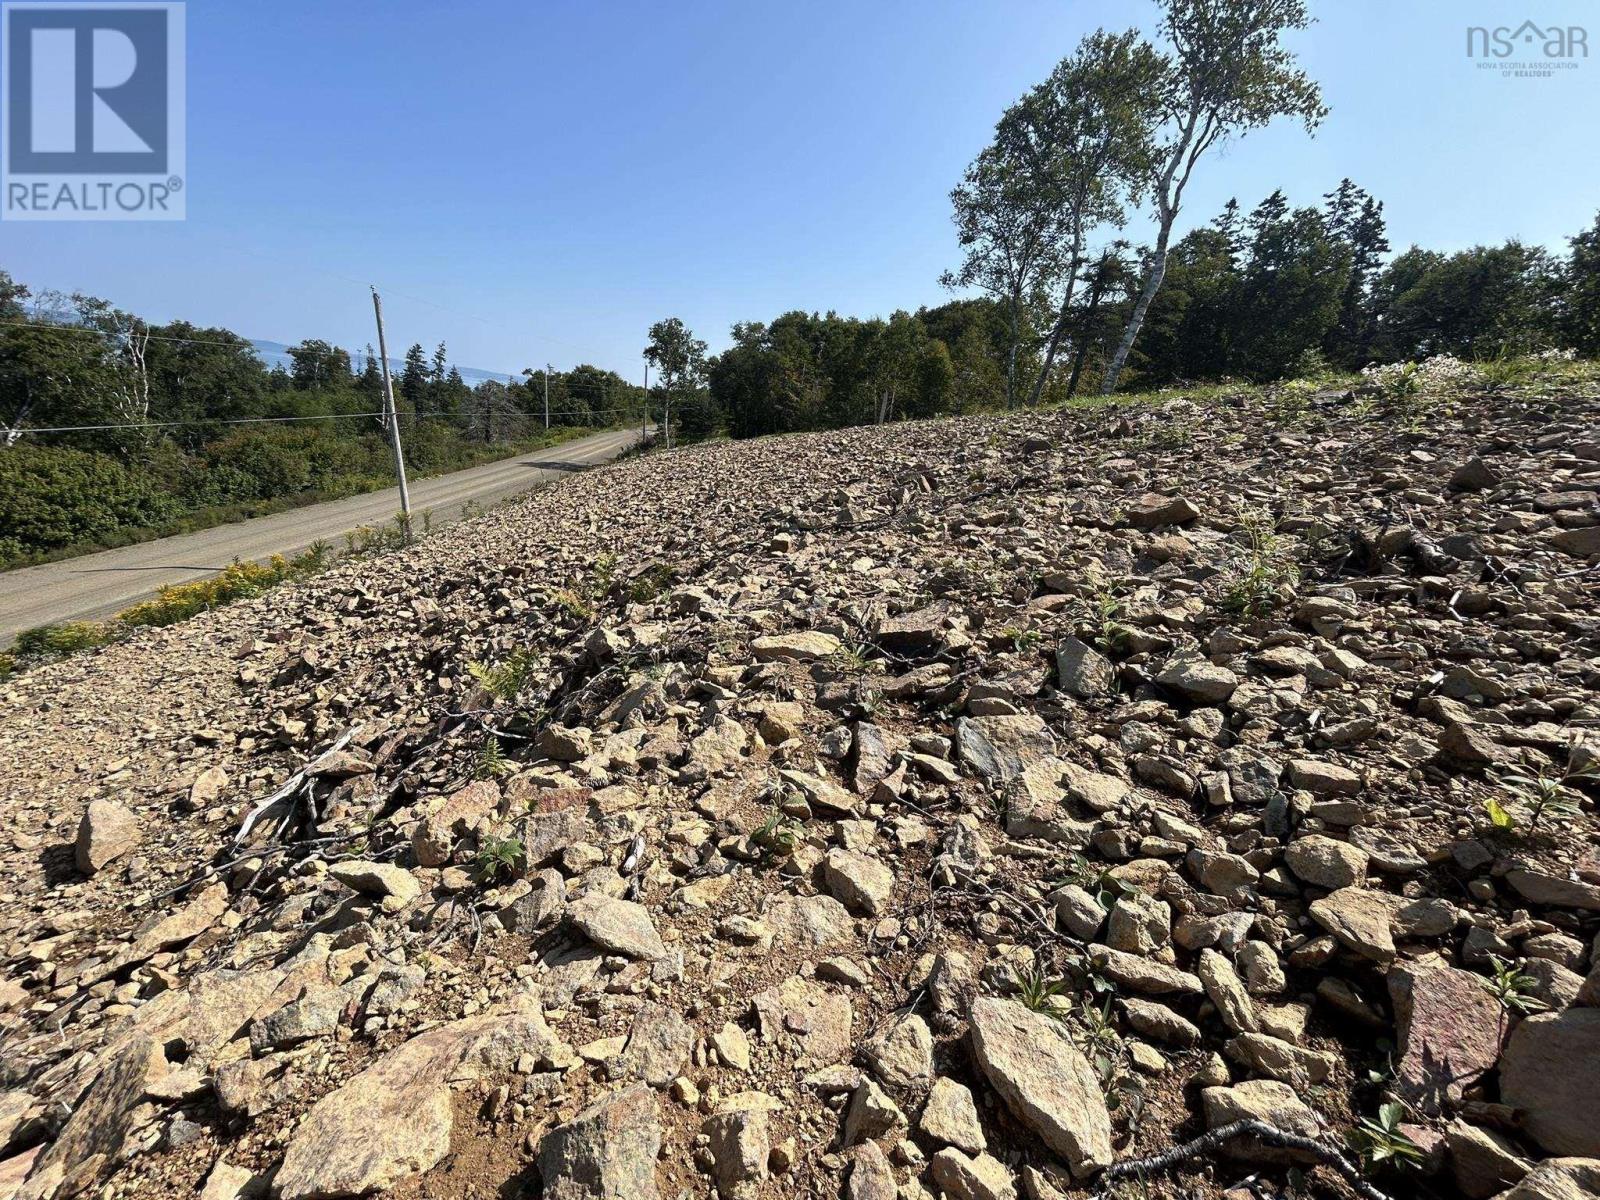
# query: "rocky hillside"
1183,798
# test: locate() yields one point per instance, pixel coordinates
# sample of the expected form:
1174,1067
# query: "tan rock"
393,1121
1548,1070
1044,1080
106,833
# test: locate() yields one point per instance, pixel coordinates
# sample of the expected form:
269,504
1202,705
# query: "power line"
36,429
245,344
173,424
241,344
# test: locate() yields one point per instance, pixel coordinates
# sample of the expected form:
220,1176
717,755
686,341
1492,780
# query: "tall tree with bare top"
1228,72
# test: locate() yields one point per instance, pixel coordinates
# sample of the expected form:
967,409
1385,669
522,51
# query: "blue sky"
537,181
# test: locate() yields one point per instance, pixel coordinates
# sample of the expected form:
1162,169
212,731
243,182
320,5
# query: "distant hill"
276,354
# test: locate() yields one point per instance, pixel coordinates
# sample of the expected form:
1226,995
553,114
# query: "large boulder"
607,1152
393,1121
1045,1081
1448,1028
1549,1071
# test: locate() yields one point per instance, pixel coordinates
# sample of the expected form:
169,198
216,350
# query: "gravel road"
98,585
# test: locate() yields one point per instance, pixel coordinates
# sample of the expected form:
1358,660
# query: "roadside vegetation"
59,502
115,430
171,604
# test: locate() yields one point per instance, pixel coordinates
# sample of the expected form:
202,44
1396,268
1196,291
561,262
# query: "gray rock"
1083,671
1281,1060
1002,748
1153,510
1078,912
1148,976
1360,919
316,1012
806,1020
607,1152
796,647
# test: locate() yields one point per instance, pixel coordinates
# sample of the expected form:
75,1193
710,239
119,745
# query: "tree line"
1057,303
160,426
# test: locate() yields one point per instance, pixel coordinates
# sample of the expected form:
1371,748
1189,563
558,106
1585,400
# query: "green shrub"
53,641
51,497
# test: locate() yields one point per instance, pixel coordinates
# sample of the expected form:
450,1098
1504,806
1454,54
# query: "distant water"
276,354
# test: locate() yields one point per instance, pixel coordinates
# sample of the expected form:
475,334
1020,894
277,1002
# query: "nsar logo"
93,121
1528,51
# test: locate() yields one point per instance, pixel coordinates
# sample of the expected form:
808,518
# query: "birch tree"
1088,135
1227,73
1065,158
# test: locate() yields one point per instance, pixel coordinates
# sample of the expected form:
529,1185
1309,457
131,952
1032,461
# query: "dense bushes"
113,429
53,496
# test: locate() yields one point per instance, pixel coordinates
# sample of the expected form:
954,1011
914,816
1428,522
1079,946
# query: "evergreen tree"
1356,220
1230,224
1580,316
1297,273
370,382
414,378
1477,303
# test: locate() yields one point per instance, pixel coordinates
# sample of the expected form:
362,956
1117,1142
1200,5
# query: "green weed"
1513,988
1379,1143
503,680
500,859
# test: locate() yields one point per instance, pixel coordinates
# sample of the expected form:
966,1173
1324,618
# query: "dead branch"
292,785
1208,1143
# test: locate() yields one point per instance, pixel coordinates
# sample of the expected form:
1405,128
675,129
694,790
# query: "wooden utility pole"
547,397
390,417
644,417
